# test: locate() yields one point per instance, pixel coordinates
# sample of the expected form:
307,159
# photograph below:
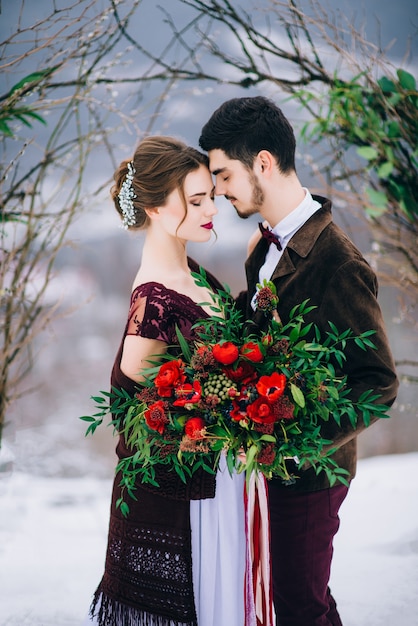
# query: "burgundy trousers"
303,526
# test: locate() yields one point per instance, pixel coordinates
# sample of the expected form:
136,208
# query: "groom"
251,146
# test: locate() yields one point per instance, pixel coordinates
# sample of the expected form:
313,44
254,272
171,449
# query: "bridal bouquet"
257,397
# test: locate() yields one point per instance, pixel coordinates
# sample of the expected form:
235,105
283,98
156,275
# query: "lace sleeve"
150,314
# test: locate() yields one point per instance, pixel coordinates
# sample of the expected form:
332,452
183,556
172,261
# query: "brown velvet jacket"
322,264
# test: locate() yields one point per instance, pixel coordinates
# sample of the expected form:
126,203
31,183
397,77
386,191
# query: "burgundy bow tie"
270,236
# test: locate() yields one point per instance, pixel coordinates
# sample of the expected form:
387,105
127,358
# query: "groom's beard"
257,199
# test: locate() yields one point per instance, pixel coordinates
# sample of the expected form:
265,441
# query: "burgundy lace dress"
149,578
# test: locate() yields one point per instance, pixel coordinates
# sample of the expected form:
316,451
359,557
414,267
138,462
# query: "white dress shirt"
285,231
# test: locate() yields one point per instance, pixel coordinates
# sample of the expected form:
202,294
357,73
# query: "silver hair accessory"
126,196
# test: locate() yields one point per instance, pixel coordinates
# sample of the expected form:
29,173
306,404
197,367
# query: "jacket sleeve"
241,302
350,301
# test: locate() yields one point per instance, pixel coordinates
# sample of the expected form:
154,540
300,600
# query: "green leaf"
218,431
305,330
183,345
21,117
87,418
386,85
406,80
217,445
385,169
124,508
297,395
294,334
230,461
360,343
379,201
367,152
4,128
35,77
98,399
251,454
200,277
393,130
269,438
333,392
360,133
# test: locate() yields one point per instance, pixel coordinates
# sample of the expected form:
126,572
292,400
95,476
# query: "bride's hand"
242,457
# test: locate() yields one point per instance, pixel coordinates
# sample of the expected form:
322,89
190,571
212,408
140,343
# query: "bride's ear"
153,214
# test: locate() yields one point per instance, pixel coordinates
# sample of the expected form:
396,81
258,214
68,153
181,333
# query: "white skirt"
219,552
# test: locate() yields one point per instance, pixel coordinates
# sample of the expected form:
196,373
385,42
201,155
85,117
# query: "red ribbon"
258,586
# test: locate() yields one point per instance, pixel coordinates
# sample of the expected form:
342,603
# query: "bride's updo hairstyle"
158,167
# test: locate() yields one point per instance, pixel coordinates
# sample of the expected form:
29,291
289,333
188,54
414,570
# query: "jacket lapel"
301,243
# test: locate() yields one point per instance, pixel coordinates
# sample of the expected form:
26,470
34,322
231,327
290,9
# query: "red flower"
225,353
261,411
194,428
251,351
267,340
155,416
169,375
243,372
272,387
236,413
187,393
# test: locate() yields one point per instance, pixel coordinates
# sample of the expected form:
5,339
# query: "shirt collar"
287,227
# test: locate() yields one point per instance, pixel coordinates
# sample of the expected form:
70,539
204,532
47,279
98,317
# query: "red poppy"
187,393
236,413
169,375
243,372
194,428
155,416
252,351
272,387
225,353
261,411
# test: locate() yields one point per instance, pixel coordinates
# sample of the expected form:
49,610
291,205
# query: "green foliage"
10,108
381,119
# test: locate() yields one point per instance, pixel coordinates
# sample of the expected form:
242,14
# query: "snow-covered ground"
53,536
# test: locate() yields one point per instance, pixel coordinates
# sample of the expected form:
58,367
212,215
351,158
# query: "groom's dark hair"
241,127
